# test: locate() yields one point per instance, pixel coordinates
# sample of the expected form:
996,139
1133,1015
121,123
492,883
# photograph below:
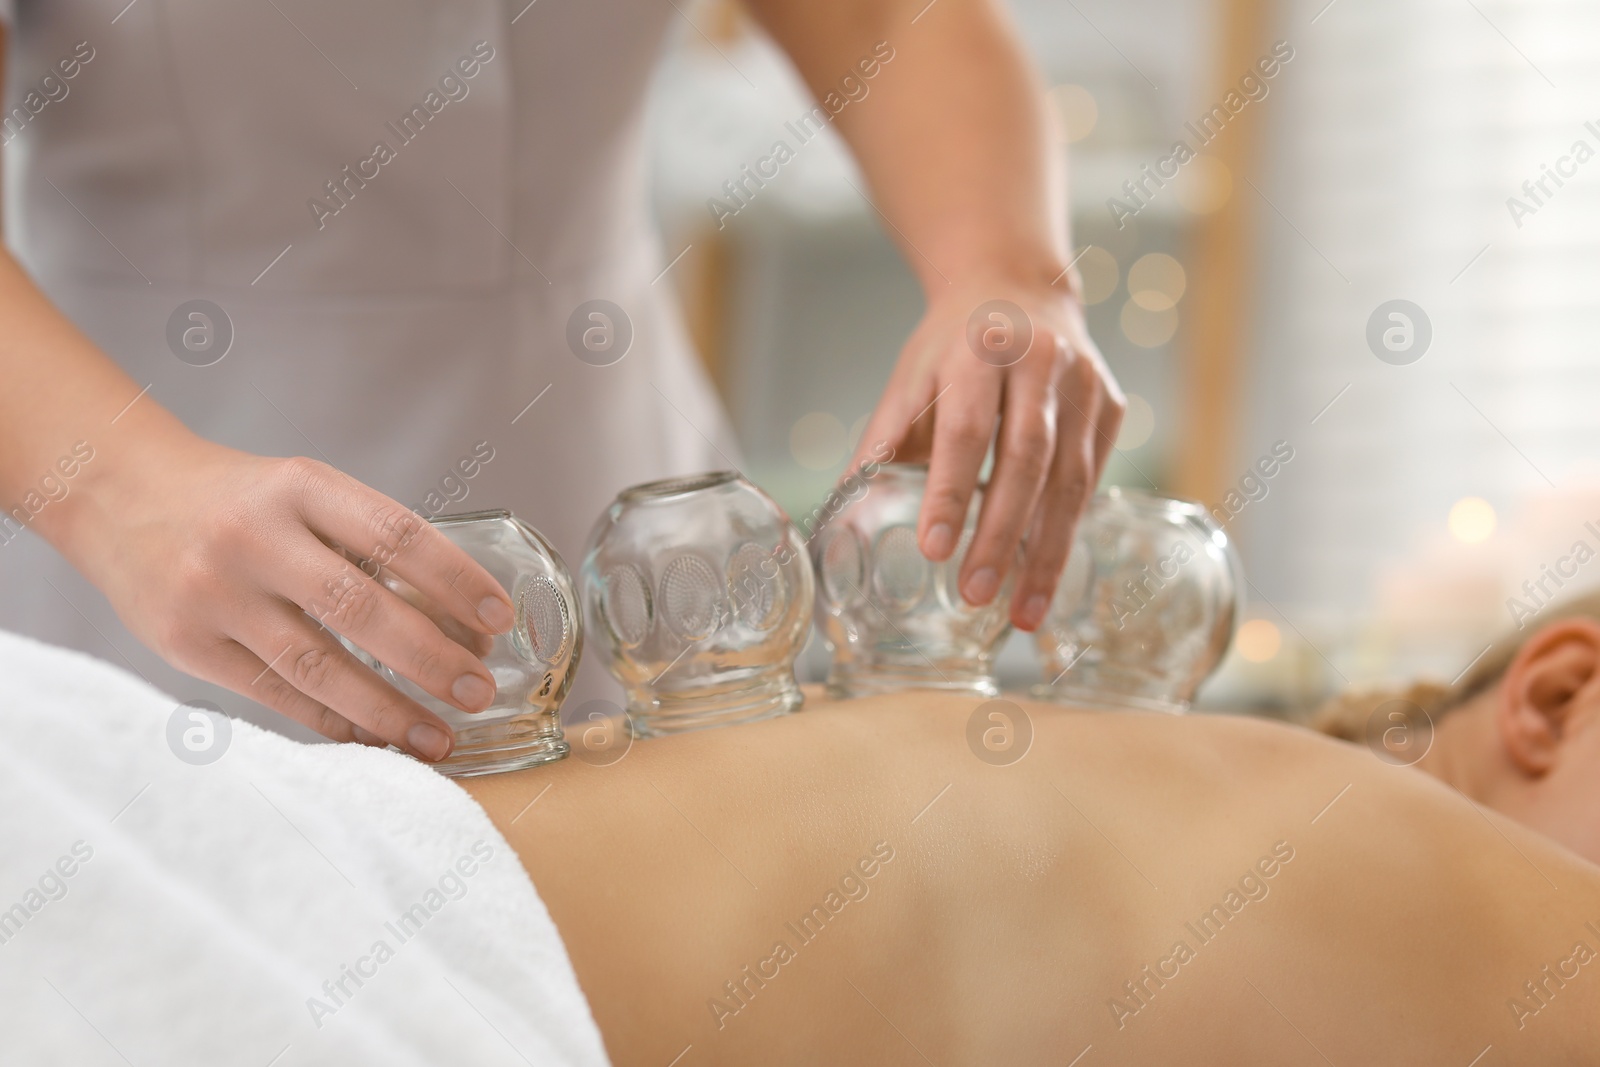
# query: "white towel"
286,904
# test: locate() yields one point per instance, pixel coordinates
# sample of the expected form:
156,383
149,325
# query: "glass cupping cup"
892,618
700,590
533,665
1146,607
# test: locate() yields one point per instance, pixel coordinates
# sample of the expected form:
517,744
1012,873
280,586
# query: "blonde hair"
1346,716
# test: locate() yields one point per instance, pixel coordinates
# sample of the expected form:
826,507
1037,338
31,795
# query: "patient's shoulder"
1222,778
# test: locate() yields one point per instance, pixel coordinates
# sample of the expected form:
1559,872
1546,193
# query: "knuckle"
352,603
1074,489
1084,373
948,498
312,669
967,432
330,724
1030,444
276,692
392,528
457,575
1057,349
327,603
388,719
195,581
300,473
1026,471
427,663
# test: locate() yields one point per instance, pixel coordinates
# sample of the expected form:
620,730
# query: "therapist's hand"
945,111
224,562
1004,360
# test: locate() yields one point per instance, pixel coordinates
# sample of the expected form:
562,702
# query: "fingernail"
472,692
496,614
941,541
429,740
1033,611
980,588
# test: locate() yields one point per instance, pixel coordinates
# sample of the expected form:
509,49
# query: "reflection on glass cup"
533,665
893,619
1146,607
701,591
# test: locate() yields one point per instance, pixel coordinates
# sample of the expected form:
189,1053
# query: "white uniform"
398,205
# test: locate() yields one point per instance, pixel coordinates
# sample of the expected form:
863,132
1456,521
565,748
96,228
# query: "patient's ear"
1553,682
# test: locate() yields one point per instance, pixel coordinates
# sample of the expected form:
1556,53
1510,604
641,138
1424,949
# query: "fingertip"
429,741
1029,614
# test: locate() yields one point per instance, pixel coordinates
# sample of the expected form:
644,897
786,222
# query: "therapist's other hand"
224,563
1007,361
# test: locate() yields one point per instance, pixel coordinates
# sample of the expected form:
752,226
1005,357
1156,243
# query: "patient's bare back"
866,883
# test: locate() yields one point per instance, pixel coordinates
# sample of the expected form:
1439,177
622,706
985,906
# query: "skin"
1021,897
259,542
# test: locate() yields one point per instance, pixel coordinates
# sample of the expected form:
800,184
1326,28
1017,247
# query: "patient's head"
1521,732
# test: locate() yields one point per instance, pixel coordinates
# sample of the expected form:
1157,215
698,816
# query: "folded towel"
284,904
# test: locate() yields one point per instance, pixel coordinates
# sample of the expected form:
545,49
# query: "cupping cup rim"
678,485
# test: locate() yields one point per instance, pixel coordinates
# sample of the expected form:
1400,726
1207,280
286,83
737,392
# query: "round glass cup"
1146,607
533,665
700,591
893,619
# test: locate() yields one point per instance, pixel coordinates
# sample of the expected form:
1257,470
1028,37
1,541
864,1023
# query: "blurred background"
1441,459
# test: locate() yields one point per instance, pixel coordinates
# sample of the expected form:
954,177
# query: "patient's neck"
1466,753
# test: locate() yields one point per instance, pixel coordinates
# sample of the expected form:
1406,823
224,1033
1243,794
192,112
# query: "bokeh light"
1146,328
1076,111
1138,423
1258,640
1156,282
1100,273
1472,520
818,440
1203,185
